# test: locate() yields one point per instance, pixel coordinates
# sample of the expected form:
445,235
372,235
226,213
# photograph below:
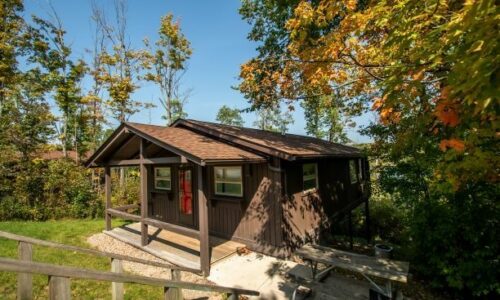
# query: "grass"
71,232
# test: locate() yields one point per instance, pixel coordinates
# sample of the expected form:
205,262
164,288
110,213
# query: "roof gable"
195,147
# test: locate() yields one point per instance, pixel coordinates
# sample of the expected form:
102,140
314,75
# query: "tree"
229,116
64,74
272,119
11,26
323,119
120,66
429,70
94,97
25,118
169,59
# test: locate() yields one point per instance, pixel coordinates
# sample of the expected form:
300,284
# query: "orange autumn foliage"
446,112
455,144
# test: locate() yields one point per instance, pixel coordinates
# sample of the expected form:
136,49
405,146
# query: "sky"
218,37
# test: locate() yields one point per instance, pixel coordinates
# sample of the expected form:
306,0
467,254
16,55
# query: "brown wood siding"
252,218
164,205
307,214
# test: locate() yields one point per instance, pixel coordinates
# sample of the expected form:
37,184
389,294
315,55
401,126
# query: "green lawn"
71,232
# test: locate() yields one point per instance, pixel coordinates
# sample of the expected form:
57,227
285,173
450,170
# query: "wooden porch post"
107,188
349,216
144,194
367,220
203,223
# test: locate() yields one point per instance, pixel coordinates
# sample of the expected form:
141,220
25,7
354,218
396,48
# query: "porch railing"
59,276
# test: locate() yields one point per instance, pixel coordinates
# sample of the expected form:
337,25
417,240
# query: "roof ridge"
136,123
272,132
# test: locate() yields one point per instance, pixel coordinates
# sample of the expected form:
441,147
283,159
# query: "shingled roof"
287,146
203,147
190,144
205,142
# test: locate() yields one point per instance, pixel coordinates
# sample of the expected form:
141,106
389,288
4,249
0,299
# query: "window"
163,178
353,170
228,181
310,176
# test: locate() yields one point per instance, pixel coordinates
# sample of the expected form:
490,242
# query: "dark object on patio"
375,295
301,292
383,251
243,251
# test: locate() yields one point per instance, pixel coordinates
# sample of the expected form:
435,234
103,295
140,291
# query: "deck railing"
59,276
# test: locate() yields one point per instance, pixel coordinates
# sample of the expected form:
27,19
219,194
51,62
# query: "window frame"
217,193
158,178
355,169
316,178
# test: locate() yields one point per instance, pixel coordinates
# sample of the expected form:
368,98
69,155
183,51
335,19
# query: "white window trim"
157,178
231,182
315,188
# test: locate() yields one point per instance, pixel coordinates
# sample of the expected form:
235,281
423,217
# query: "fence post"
59,288
116,287
173,293
24,280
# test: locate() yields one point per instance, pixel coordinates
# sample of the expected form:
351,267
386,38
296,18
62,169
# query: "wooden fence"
59,276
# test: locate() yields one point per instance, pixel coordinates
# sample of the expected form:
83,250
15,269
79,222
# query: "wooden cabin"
269,191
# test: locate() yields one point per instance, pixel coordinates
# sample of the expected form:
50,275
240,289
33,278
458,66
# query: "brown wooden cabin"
269,191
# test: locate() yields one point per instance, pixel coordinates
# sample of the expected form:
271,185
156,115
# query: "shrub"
455,241
125,186
68,186
50,190
387,221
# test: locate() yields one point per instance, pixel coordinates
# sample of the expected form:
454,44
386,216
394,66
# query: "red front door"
186,197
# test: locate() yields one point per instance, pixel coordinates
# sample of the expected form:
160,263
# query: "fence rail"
14,265
60,276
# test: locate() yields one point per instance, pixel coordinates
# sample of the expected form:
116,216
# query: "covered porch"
173,209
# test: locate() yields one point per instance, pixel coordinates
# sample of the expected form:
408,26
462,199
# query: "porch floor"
175,248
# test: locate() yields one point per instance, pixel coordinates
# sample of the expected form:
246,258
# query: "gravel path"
106,243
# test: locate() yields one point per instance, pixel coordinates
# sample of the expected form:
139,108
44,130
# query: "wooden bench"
388,269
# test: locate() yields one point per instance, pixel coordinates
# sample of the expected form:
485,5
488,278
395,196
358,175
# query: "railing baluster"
59,288
116,287
24,280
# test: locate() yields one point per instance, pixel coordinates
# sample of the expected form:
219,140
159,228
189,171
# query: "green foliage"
168,61
229,116
127,182
67,184
51,190
273,119
324,119
456,241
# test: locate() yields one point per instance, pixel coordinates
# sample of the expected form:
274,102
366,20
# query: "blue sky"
218,38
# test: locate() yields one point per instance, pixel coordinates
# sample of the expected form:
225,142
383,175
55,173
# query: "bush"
125,186
455,242
50,190
69,186
387,221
